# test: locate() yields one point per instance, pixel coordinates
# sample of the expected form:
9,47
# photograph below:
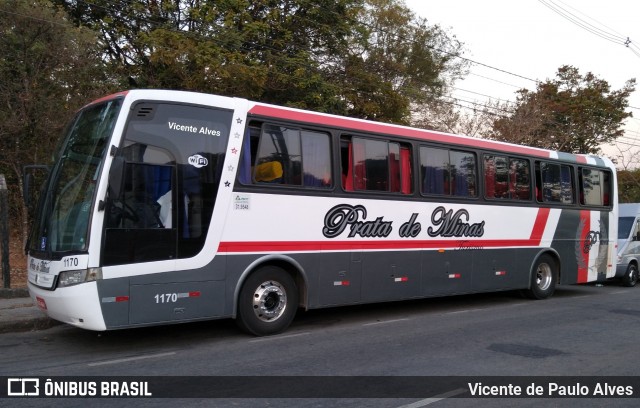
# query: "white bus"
167,206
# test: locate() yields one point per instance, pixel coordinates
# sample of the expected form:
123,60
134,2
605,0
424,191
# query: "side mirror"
28,180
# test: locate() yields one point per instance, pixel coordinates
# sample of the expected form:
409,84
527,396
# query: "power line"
586,25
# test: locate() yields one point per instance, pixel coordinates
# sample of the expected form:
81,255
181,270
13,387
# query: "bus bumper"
76,305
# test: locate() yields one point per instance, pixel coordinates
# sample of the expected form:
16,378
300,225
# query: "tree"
572,113
396,62
48,67
629,186
445,115
362,58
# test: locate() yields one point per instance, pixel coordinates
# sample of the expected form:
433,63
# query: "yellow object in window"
268,172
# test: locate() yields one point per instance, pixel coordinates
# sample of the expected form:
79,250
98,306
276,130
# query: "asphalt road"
582,331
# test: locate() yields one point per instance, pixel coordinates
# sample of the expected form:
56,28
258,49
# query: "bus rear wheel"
543,278
268,301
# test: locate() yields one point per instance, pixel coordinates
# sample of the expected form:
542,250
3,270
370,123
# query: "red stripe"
539,225
583,265
307,246
375,127
106,98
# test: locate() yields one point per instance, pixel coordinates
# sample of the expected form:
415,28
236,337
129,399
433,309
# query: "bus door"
163,188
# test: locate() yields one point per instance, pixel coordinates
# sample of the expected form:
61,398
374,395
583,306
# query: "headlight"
70,278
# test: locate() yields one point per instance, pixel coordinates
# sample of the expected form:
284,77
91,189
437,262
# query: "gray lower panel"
170,302
333,279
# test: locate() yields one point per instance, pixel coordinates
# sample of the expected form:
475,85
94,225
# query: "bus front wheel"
630,278
543,278
268,301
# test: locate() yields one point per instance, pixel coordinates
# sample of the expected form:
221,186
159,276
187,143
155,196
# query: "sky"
529,39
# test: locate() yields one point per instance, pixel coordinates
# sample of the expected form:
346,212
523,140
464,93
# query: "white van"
628,243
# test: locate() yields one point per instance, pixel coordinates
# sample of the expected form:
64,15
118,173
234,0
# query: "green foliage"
367,59
48,68
629,186
572,113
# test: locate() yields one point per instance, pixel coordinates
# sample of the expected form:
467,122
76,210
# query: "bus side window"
519,179
346,164
507,178
447,172
595,187
375,165
288,156
400,167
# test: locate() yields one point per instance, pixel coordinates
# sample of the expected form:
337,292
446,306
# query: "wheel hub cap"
269,301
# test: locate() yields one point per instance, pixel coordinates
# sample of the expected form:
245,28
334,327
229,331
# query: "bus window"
371,164
316,159
375,165
447,172
507,178
519,179
289,156
555,183
144,208
595,187
434,167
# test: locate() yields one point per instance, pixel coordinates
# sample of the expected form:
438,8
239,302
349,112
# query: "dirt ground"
17,264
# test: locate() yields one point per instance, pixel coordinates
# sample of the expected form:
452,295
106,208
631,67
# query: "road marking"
464,311
428,401
386,321
126,360
287,336
619,292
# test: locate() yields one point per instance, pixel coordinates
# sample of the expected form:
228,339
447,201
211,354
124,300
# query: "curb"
30,320
10,293
40,323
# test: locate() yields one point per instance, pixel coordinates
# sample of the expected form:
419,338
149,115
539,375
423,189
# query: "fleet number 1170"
166,298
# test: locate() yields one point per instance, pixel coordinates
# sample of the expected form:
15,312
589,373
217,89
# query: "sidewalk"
18,313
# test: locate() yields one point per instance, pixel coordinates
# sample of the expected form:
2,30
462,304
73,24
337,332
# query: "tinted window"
280,155
375,165
555,183
447,172
507,178
595,187
173,158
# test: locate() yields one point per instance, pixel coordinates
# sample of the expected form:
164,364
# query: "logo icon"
198,161
23,387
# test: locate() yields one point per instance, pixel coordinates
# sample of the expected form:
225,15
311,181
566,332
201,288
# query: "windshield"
61,224
624,227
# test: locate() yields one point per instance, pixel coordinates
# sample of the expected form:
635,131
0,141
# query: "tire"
268,302
544,276
630,277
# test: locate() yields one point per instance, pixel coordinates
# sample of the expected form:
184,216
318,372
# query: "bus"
170,206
